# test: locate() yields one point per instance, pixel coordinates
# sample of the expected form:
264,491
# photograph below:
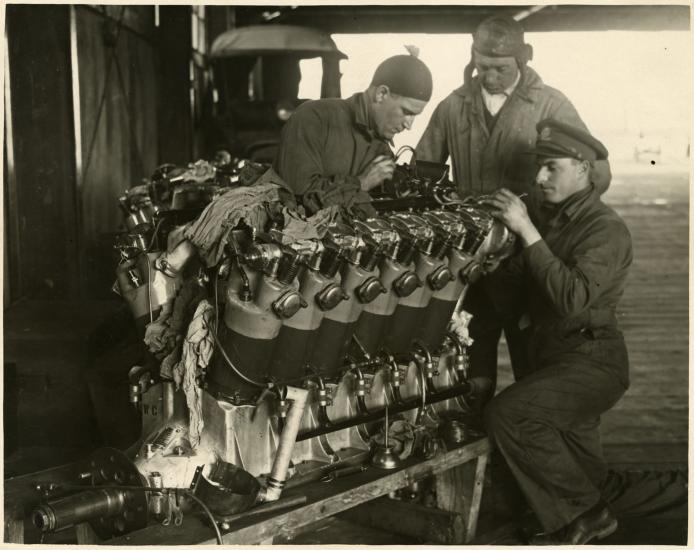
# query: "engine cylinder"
248,337
298,333
407,317
373,321
442,304
335,333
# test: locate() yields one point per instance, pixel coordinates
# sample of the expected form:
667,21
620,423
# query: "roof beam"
465,18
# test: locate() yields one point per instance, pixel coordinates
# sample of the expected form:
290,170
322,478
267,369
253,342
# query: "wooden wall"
98,97
175,124
41,199
118,123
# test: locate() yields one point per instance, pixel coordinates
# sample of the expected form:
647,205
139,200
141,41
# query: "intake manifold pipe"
428,368
323,401
388,359
461,359
361,388
278,474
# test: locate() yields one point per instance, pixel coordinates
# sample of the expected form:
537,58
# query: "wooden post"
476,498
459,490
14,527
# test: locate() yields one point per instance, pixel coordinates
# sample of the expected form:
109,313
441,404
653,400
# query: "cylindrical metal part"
442,304
280,466
335,333
407,318
248,336
331,263
373,322
298,333
78,508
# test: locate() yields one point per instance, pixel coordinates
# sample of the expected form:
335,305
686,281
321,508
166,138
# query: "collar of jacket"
361,117
527,89
572,206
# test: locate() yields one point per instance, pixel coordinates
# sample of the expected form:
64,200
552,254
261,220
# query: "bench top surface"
323,500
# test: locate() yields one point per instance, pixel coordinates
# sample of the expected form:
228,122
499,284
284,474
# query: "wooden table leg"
14,529
476,497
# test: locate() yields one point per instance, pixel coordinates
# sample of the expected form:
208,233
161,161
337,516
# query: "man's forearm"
529,234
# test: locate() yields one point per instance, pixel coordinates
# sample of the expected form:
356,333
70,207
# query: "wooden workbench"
325,500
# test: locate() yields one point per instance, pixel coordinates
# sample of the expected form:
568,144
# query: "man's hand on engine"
380,169
511,210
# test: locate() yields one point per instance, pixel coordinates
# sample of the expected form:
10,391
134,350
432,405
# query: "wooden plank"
174,115
476,498
14,529
43,147
324,500
423,523
118,105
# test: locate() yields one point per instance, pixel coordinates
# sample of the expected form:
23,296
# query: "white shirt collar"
494,102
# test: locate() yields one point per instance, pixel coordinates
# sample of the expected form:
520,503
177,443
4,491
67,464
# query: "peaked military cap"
560,140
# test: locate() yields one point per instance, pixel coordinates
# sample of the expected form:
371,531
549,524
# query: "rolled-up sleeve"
572,287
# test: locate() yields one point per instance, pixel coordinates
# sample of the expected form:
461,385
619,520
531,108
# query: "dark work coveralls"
325,145
546,423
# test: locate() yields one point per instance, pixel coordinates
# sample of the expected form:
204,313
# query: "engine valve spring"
289,268
406,252
441,248
369,259
331,262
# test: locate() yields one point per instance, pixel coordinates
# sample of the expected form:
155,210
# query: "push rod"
406,405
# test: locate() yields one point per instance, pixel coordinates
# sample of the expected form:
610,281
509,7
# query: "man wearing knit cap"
484,126
334,151
573,267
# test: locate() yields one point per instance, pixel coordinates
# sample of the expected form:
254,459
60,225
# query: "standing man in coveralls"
334,151
573,267
484,126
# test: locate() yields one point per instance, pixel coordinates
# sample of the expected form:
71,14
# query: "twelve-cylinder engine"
304,338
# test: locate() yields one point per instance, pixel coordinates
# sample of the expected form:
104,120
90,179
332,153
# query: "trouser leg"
646,493
485,330
531,421
583,440
517,341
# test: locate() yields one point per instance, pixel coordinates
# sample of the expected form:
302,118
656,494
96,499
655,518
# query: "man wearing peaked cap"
334,151
572,269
